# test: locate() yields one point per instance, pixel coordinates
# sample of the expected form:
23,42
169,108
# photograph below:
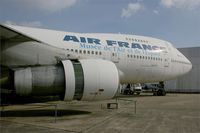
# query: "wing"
8,35
22,46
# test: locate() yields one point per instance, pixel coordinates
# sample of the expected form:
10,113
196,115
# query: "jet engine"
86,79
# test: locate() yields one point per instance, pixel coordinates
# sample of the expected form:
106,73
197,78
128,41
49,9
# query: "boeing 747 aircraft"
83,66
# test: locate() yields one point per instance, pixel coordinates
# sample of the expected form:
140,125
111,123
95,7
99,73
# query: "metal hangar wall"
191,81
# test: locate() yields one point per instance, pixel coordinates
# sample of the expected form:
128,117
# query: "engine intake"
87,79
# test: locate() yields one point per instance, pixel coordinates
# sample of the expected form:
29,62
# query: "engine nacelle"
39,81
87,79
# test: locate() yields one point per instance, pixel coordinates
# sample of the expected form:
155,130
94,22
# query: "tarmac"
173,113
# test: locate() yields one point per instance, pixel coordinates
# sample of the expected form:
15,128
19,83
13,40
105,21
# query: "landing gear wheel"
161,92
164,93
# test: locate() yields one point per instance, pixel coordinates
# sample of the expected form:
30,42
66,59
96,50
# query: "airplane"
83,66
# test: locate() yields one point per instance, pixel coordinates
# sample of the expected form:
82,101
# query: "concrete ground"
173,113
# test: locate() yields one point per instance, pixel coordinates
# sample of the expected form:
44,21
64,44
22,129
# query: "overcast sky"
177,21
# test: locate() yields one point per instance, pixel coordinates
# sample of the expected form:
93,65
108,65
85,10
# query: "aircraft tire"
161,92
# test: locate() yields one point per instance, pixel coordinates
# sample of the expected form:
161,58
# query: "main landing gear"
160,91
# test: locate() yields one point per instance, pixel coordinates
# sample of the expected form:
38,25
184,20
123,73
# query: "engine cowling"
87,79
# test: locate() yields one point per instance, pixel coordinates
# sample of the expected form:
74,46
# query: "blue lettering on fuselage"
111,43
71,38
136,45
121,44
82,39
147,47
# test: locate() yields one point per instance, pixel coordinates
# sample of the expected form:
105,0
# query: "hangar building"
191,81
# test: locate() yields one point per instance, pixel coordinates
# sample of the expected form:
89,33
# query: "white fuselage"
134,56
139,59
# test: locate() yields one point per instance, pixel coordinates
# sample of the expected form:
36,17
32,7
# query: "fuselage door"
166,61
115,57
166,54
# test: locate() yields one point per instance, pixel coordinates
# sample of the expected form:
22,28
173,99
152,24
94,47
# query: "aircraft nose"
188,65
